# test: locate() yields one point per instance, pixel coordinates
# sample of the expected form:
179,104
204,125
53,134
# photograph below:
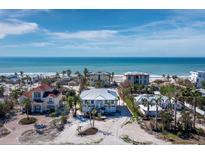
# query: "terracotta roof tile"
28,94
42,87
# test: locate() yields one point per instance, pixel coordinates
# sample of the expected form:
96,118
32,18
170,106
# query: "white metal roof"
99,73
149,97
99,94
136,73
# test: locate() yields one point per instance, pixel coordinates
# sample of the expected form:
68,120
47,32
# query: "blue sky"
114,33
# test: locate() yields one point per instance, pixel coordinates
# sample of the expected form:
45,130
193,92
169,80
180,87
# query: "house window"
86,102
109,102
37,95
37,108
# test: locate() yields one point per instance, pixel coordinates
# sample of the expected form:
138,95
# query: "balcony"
50,102
38,100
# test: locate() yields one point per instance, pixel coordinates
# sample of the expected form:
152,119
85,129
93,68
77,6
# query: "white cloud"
21,13
30,44
175,36
85,35
16,28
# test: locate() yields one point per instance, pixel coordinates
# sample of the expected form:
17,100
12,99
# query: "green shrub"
126,139
133,108
27,121
63,119
179,134
200,131
53,114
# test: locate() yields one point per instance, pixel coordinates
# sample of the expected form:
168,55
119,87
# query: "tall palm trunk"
75,109
27,114
194,122
93,121
109,80
148,110
156,117
175,115
90,117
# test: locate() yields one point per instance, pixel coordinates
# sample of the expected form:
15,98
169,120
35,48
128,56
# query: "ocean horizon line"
118,65
54,73
93,57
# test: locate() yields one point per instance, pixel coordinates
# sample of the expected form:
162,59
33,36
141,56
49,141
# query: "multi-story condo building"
197,78
43,98
137,78
103,78
102,99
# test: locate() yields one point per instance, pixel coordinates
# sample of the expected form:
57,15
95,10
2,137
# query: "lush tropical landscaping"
171,124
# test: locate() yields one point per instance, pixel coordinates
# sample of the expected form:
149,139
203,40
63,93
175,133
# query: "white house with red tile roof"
43,98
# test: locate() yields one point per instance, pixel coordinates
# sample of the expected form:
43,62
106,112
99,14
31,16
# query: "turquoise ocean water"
157,66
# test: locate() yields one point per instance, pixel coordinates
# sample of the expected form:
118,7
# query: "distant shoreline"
54,73
118,65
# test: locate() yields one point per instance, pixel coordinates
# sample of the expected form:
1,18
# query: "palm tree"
57,75
192,96
195,101
85,77
22,79
174,77
3,78
94,112
85,72
173,94
63,72
21,73
58,85
168,77
175,99
1,91
81,81
28,79
163,75
146,103
70,102
157,102
77,73
185,120
15,94
89,111
166,118
76,100
111,76
27,104
68,72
